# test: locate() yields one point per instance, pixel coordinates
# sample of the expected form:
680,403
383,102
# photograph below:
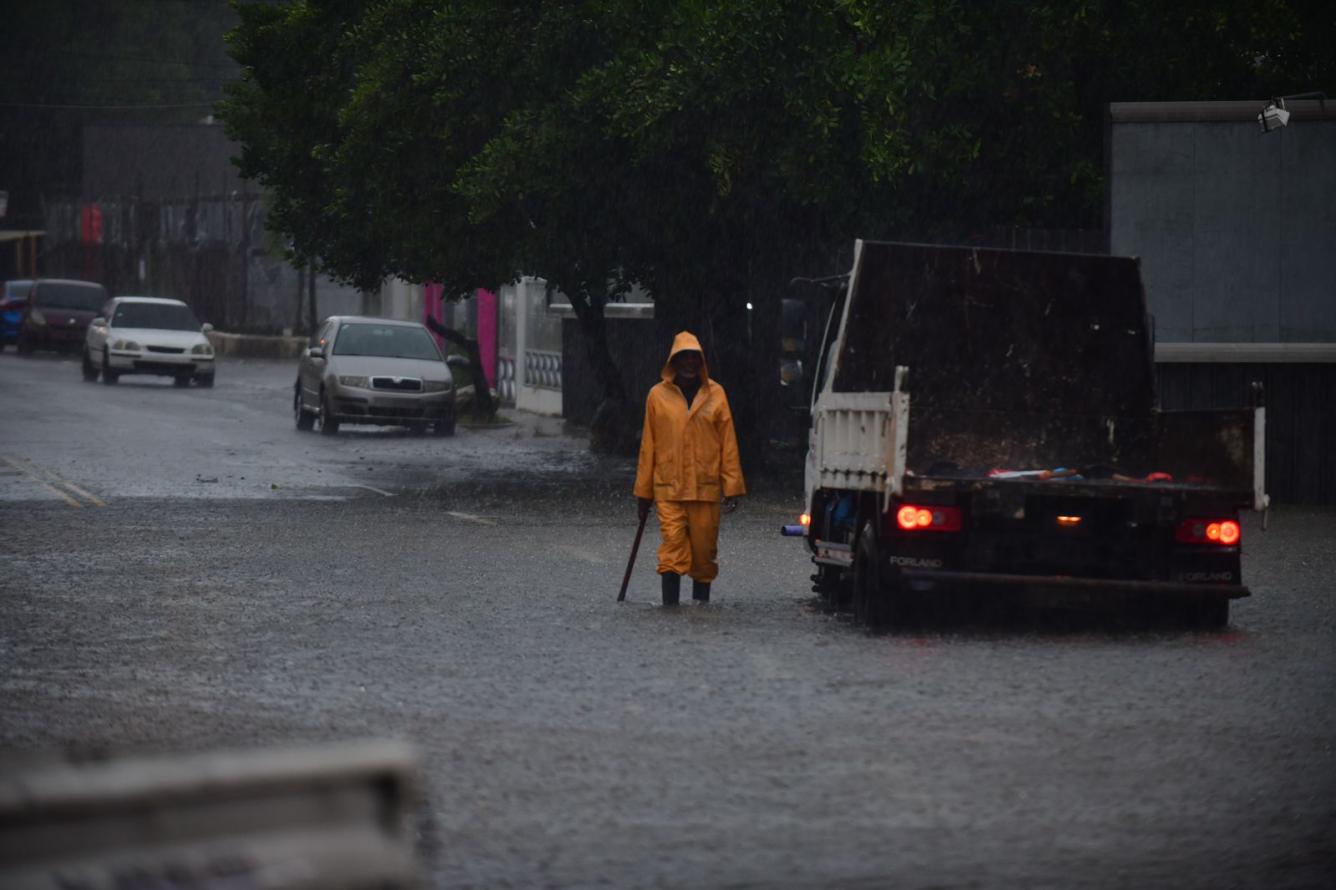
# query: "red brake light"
913,518
1224,532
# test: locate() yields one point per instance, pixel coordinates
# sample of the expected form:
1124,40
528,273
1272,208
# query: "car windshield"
72,296
168,316
16,290
389,341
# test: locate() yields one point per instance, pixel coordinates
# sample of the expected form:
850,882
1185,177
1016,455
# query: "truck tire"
870,596
832,587
1208,614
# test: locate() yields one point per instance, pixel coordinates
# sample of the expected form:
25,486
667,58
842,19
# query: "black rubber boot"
672,587
700,591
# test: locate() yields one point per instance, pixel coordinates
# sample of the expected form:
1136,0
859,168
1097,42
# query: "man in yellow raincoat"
689,468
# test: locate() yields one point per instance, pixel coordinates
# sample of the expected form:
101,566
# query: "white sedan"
148,335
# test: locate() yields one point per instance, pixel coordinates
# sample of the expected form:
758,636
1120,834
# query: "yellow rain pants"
690,538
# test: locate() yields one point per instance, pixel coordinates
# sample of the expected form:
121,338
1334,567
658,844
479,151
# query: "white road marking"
469,517
373,488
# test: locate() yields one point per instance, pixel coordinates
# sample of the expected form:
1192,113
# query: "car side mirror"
315,352
98,322
206,328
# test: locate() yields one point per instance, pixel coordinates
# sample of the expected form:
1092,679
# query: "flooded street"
460,594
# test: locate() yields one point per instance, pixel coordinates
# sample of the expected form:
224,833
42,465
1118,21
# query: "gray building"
1236,232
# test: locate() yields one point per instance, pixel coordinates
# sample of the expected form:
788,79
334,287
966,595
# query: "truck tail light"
1223,532
913,518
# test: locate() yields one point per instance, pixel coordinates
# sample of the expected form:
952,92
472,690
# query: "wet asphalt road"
225,580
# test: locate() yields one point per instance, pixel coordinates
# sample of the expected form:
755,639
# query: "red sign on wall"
90,224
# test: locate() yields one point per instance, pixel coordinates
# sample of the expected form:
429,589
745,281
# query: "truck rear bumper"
927,579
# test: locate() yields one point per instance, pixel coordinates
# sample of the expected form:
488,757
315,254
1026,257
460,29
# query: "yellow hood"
685,340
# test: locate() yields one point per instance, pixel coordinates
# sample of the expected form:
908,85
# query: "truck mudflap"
915,578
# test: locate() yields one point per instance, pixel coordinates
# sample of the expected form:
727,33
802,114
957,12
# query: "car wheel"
305,419
108,375
90,371
205,380
23,346
445,427
181,380
329,425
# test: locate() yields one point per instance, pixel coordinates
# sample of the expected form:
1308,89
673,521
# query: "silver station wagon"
375,371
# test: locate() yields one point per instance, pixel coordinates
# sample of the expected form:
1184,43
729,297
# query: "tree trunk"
310,297
484,406
615,424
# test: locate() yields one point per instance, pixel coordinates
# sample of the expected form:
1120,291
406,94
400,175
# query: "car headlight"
126,346
356,382
436,385
201,349
36,317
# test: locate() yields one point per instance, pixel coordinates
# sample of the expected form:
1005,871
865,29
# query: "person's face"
686,365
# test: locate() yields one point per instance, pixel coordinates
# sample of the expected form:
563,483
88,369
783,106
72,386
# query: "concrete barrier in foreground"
335,816
249,346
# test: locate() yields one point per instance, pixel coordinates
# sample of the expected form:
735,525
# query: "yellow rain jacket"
688,454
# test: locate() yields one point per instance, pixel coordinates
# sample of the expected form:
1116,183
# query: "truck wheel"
829,584
1209,614
870,595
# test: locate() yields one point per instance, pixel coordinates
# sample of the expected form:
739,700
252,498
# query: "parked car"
13,298
375,371
148,335
57,313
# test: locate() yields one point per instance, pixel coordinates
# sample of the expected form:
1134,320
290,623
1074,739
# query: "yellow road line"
52,480
44,484
89,495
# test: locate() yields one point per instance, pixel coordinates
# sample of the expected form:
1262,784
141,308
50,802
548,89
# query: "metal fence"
208,251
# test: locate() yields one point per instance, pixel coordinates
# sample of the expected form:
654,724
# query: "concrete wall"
1236,229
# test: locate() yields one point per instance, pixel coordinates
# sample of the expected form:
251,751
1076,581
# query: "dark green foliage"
709,151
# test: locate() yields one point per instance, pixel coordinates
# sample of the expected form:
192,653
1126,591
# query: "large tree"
709,151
